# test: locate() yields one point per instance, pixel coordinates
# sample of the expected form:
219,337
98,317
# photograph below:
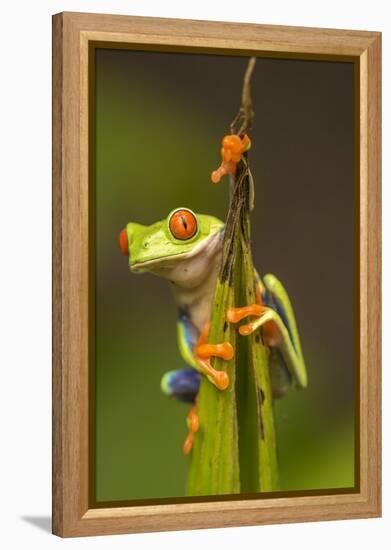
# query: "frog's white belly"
194,280
197,301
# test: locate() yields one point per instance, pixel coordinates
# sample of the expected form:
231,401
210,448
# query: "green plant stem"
235,448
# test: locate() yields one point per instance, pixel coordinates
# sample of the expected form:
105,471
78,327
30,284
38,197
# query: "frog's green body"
189,259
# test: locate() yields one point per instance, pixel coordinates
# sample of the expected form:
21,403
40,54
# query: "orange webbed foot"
236,314
204,351
233,146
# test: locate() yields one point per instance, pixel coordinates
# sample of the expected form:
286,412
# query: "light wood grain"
57,437
72,33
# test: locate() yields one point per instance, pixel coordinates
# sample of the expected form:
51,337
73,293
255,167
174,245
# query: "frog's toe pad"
221,380
246,330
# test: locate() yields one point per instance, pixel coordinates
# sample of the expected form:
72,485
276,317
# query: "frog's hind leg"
275,315
196,351
184,384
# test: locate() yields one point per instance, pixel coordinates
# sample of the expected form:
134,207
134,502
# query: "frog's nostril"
123,242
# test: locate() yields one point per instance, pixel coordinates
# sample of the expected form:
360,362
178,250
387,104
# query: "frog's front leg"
184,383
277,319
203,352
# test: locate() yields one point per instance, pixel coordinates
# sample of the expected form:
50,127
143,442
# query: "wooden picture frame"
73,34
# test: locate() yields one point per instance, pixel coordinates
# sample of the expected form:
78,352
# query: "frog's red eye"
123,242
183,224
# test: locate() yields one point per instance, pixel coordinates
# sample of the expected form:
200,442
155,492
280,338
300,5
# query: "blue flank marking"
190,336
269,300
182,384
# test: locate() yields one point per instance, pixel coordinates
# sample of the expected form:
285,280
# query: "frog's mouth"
208,246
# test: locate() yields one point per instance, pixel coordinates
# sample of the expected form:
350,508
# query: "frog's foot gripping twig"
204,351
265,317
193,424
233,146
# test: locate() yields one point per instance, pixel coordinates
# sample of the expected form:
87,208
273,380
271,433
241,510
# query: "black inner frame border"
298,56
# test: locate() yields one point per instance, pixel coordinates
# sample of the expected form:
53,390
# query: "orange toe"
224,350
245,330
193,420
221,379
236,314
188,444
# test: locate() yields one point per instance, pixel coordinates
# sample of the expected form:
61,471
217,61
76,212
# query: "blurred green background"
160,118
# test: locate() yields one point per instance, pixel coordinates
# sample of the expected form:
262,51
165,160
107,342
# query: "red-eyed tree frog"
186,249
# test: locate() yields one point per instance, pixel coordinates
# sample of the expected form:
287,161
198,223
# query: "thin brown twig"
245,114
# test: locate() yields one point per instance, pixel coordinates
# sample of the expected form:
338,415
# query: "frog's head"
180,248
